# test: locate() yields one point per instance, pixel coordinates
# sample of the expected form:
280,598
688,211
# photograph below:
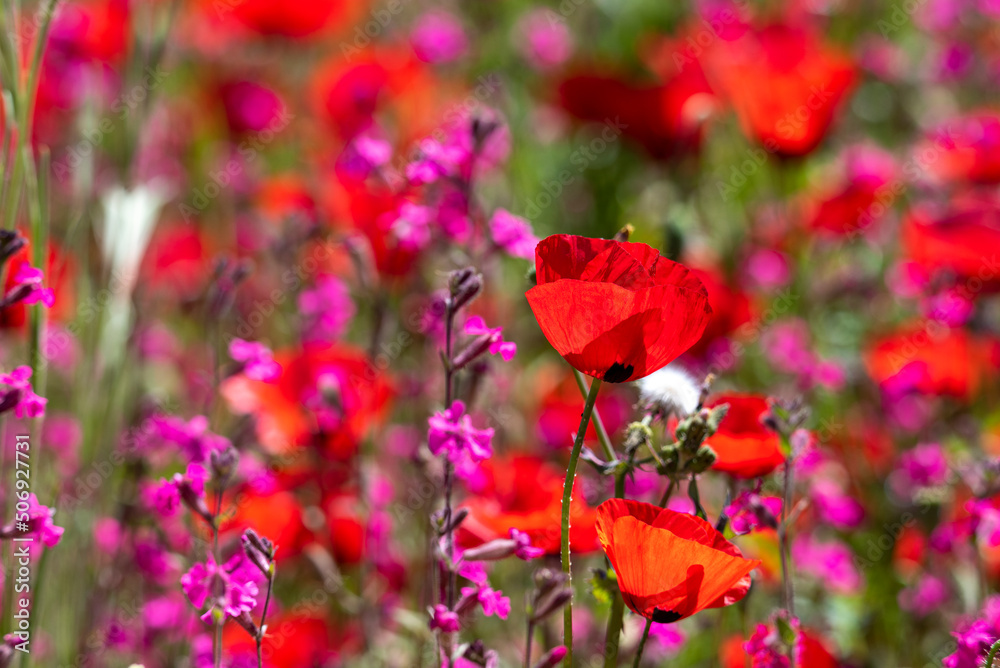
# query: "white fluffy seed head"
671,389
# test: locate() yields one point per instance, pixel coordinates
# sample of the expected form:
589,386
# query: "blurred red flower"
962,239
293,640
615,310
525,492
328,394
277,516
745,448
665,118
811,653
559,413
731,308
298,19
964,149
784,83
346,92
58,276
670,565
932,360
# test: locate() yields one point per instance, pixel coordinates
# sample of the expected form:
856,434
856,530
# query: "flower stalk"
588,409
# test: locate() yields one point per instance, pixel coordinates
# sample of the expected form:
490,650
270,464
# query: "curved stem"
574,457
642,644
602,433
993,652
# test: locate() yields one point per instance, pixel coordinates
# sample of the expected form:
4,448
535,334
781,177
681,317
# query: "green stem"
602,433
612,638
574,457
993,652
642,644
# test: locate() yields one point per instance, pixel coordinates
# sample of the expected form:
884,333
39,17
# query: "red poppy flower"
177,261
293,640
964,149
559,411
951,362
811,652
58,276
665,118
616,311
295,412
785,84
525,493
744,447
298,19
731,308
277,516
670,565
956,240
347,92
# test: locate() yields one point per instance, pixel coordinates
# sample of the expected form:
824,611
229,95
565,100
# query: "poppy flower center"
665,616
618,373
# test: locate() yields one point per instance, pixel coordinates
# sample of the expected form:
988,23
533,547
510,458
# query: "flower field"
410,333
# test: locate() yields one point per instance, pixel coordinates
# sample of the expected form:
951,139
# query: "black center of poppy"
665,616
618,373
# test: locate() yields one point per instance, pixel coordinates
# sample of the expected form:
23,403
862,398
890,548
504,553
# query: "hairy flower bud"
464,285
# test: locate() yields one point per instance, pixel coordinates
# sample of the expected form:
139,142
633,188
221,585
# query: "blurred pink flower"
20,396
257,360
830,562
492,600
768,268
835,506
513,234
476,326
326,309
543,39
922,467
451,433
750,511
925,595
438,37
444,620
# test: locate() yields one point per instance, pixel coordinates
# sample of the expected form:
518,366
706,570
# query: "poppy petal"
665,572
645,329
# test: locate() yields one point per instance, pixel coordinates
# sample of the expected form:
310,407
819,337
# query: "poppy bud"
552,658
702,460
623,234
671,457
638,435
464,285
501,548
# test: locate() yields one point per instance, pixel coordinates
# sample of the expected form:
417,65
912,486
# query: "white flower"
670,389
